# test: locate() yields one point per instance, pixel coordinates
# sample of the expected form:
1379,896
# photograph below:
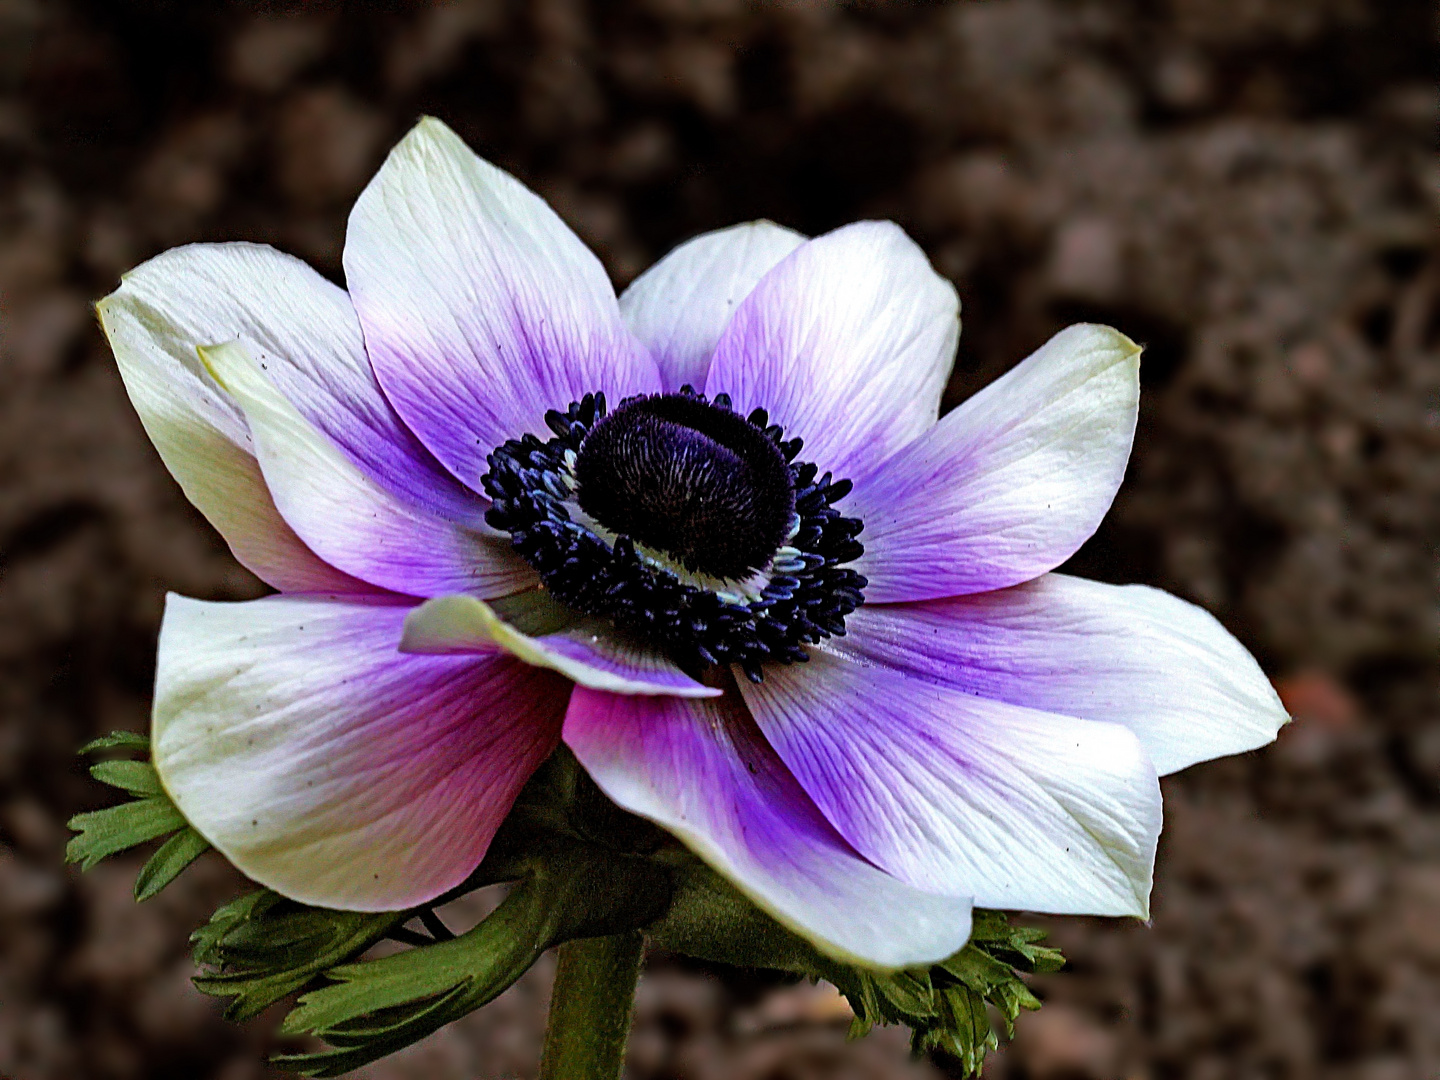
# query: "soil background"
1247,186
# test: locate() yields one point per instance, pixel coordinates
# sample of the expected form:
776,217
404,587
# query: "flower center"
690,480
685,523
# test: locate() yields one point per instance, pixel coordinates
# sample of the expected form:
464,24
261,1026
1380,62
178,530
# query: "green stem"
590,1008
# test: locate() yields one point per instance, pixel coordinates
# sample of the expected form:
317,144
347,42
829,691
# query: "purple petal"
1015,807
699,768
592,653
347,517
847,343
329,767
680,306
1130,655
481,310
1012,482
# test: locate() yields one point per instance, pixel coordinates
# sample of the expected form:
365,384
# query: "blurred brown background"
1248,186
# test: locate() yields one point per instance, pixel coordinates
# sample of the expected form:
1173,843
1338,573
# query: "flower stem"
590,1008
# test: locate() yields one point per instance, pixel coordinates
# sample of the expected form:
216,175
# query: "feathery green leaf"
165,865
118,828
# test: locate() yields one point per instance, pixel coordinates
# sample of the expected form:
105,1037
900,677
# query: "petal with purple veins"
682,304
1130,655
345,515
329,767
847,343
1009,484
481,309
700,768
307,330
1018,808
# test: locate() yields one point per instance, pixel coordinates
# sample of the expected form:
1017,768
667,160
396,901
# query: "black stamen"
716,494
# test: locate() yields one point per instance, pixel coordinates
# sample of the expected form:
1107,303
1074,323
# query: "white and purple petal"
682,304
331,768
348,518
1015,807
306,329
162,311
591,653
481,310
699,768
1130,655
1009,484
847,343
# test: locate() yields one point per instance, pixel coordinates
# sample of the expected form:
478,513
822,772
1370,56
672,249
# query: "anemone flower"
712,535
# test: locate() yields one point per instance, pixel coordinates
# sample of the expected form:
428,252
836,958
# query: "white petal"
154,322
680,306
1128,654
1012,482
1018,808
699,768
847,343
590,652
329,767
481,310
348,518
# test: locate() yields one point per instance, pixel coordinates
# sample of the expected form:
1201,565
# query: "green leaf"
906,993
1016,945
209,940
165,865
136,777
977,969
987,972
375,1007
945,1005
117,828
379,1006
118,740
961,1029
261,947
148,817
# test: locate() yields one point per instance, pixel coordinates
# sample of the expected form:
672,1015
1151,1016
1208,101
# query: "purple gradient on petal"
304,330
1009,484
207,294
409,553
1131,655
700,768
590,652
847,343
464,409
481,309
328,766
348,519
948,791
355,415
639,665
680,306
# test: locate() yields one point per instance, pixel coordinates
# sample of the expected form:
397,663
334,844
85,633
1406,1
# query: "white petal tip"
1102,337
226,361
433,129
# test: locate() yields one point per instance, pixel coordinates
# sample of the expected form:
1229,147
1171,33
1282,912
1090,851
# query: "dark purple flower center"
685,523
696,482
